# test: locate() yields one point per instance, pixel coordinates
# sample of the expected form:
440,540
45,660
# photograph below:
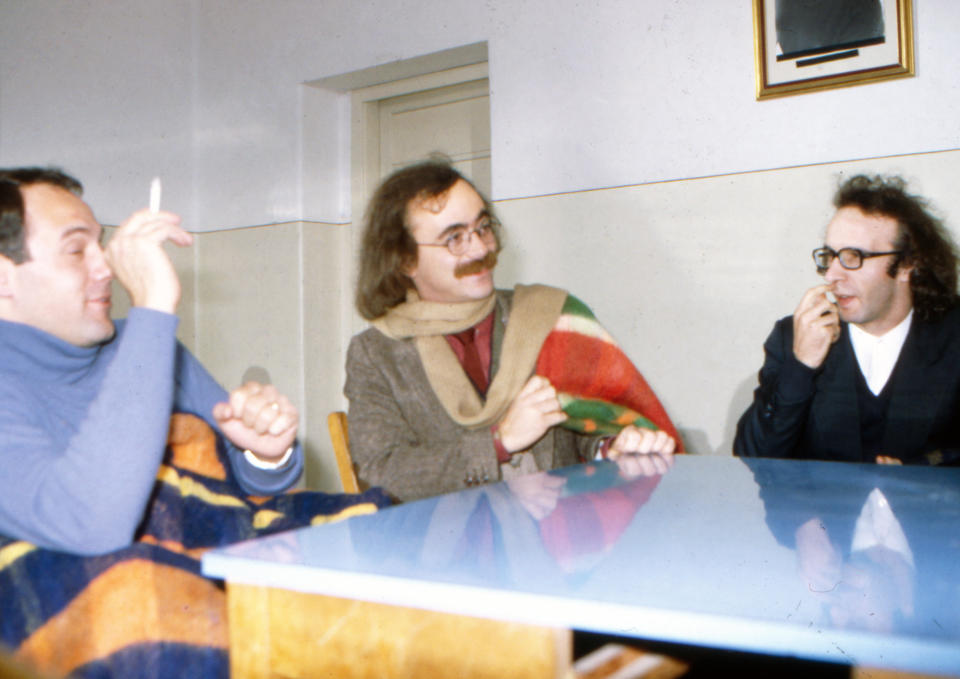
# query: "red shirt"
483,338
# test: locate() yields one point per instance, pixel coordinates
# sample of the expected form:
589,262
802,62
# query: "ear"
903,273
408,267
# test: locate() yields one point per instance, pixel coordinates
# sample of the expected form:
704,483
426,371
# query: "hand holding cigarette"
816,326
138,260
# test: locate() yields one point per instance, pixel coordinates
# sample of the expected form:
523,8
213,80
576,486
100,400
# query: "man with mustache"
868,367
437,403
86,401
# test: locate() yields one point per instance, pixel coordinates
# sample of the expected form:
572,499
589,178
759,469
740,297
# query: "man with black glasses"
868,367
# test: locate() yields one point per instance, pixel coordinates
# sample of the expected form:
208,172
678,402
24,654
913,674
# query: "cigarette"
832,298
155,195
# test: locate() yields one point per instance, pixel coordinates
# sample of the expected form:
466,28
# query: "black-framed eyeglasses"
850,258
458,240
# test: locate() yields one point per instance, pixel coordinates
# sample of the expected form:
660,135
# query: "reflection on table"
826,561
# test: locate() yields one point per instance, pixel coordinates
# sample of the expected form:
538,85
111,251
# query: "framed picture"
807,45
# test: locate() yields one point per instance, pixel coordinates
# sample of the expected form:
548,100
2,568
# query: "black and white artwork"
804,45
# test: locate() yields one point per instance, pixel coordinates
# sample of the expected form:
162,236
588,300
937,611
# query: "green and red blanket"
598,386
145,610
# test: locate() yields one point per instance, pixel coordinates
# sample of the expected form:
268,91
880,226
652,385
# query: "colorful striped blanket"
598,386
145,610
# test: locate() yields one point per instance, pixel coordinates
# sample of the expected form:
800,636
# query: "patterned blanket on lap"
145,610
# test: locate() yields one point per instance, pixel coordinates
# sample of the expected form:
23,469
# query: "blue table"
846,563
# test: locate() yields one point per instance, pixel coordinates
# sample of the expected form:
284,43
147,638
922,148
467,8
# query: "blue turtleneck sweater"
83,431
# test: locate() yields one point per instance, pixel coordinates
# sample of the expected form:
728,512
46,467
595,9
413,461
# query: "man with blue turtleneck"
85,402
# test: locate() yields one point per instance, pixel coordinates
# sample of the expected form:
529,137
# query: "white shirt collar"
878,355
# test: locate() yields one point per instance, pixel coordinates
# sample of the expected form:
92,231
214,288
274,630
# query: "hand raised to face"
816,326
139,262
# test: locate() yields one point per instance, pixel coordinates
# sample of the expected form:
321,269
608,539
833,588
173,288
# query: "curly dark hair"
924,242
388,248
12,234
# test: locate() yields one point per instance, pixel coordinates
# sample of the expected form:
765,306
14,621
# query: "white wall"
105,90
616,93
583,95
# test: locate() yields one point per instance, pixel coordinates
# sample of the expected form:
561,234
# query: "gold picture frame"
872,47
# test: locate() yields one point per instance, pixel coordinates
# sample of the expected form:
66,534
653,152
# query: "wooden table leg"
278,633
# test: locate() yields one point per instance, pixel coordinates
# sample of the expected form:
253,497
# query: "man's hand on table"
642,452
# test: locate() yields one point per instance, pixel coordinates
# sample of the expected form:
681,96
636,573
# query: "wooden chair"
340,438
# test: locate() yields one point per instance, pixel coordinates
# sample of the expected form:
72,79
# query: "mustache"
488,262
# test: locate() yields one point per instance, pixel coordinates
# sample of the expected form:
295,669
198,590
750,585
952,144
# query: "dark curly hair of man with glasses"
924,242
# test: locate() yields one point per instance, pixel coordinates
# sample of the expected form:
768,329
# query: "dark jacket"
802,413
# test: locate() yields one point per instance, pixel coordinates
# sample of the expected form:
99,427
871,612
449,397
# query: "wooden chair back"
340,438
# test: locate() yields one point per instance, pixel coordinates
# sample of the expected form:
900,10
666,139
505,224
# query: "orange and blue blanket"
598,387
145,610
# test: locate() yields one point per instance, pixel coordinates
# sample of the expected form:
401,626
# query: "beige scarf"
533,314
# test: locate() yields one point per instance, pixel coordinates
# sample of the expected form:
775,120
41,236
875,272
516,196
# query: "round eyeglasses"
850,258
457,241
